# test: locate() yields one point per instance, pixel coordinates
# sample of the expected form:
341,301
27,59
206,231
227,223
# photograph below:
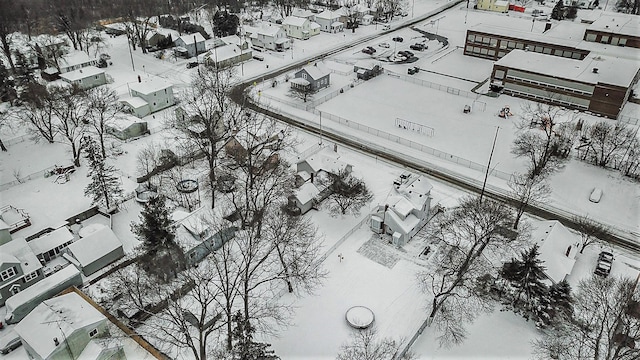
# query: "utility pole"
486,175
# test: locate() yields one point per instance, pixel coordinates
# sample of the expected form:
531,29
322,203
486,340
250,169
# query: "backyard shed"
95,251
127,127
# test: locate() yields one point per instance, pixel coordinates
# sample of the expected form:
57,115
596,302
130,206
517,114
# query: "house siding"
157,100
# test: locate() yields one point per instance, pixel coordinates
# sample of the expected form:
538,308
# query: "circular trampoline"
359,317
187,186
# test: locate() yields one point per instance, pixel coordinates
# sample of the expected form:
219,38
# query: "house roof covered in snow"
151,85
75,58
328,15
416,189
124,121
94,246
4,225
366,64
617,23
135,102
401,205
294,21
67,273
56,318
554,239
610,70
225,52
83,73
192,38
326,160
406,225
303,13
266,30
307,192
316,71
18,251
51,240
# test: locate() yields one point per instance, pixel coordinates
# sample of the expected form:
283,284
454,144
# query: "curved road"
239,94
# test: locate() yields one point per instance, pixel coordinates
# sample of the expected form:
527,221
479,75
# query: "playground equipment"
189,193
359,317
505,112
421,129
146,191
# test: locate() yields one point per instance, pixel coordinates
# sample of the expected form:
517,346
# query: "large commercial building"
615,29
597,83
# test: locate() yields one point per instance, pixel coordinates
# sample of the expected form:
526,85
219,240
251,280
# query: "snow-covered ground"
384,283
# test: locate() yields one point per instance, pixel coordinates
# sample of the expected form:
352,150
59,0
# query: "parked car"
371,48
408,53
596,195
413,70
192,64
602,269
398,39
386,27
258,57
384,45
367,51
9,342
418,47
606,257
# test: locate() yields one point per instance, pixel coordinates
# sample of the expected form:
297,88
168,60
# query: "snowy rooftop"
554,239
51,240
530,36
366,64
69,272
56,318
326,160
303,13
401,205
294,21
406,225
75,58
306,192
316,71
192,38
94,246
123,121
224,52
617,23
613,71
151,85
266,30
17,251
328,15
416,190
83,73
135,102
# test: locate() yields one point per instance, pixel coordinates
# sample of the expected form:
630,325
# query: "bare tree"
367,345
73,18
605,323
207,118
303,92
8,26
37,112
149,161
590,231
468,234
70,112
527,190
103,108
539,140
607,141
347,193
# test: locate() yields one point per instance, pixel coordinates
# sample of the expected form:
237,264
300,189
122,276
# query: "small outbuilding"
127,127
366,69
95,251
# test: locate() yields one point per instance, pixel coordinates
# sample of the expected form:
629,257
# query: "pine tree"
560,301
525,275
155,229
558,11
104,186
245,348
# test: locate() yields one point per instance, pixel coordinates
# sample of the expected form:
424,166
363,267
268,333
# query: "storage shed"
95,251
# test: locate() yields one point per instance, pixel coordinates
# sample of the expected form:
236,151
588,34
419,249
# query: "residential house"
360,11
269,36
405,211
300,28
95,251
226,55
149,96
68,327
557,247
305,197
189,45
494,5
85,78
156,37
366,20
304,13
315,77
127,127
51,245
75,60
21,304
197,237
324,161
329,21
19,268
367,69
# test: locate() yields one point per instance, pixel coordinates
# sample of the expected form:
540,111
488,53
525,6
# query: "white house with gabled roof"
329,21
558,248
85,78
148,96
300,28
19,268
405,211
268,36
75,60
190,45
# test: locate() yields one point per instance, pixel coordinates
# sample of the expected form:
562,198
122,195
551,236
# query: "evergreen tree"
245,348
105,185
560,302
558,11
572,12
154,229
525,275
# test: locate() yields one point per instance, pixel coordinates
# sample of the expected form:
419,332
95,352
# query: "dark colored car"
192,64
371,48
606,257
367,51
418,47
9,342
398,39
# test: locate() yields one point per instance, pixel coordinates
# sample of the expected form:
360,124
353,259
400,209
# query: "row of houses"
588,74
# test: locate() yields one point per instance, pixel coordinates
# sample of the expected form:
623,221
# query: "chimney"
594,70
56,342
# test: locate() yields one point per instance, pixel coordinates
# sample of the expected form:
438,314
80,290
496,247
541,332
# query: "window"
546,50
511,45
31,276
538,49
622,42
9,273
567,54
520,46
93,332
304,76
591,37
492,52
96,77
471,37
604,39
557,52
615,40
